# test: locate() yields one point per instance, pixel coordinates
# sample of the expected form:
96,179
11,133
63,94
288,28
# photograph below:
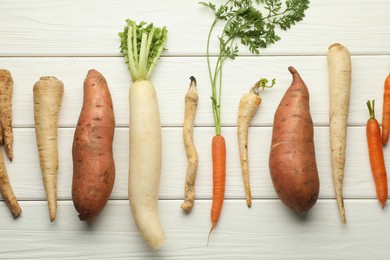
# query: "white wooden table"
66,38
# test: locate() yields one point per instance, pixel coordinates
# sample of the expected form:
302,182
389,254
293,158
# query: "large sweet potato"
292,160
93,162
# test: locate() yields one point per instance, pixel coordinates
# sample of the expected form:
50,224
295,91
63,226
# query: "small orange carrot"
386,111
219,177
375,152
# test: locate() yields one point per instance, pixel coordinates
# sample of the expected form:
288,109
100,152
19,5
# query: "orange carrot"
375,152
386,111
219,177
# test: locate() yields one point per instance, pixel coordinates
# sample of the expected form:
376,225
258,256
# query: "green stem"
133,62
143,58
208,48
142,45
261,85
371,108
216,96
217,79
135,50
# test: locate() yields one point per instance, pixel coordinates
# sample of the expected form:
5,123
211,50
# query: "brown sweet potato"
292,160
93,162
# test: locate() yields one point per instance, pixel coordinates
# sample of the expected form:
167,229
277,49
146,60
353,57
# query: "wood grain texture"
267,231
171,79
67,38
90,28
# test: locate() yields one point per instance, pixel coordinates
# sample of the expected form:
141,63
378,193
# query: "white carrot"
339,68
191,103
48,93
248,106
141,46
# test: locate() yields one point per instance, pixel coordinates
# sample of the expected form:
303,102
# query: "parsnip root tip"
249,202
335,45
16,211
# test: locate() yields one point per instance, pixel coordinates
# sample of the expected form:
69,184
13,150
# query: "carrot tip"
211,230
383,204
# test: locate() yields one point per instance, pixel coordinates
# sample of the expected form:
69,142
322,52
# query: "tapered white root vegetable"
145,161
48,93
248,106
6,190
249,103
339,69
6,91
141,45
191,103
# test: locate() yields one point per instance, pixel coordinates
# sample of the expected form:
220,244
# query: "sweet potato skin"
292,160
93,162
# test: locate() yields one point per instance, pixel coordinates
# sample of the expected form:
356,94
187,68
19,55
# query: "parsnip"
48,93
248,106
249,103
339,68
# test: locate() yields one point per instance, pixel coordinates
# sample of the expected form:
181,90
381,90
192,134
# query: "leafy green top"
253,28
142,45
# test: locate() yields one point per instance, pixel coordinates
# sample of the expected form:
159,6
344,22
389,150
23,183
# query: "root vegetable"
93,161
339,69
141,45
292,159
245,22
218,147
248,106
6,189
6,91
375,151
48,93
191,103
386,111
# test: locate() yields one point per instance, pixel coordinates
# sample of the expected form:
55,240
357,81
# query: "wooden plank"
25,173
89,29
171,79
267,231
